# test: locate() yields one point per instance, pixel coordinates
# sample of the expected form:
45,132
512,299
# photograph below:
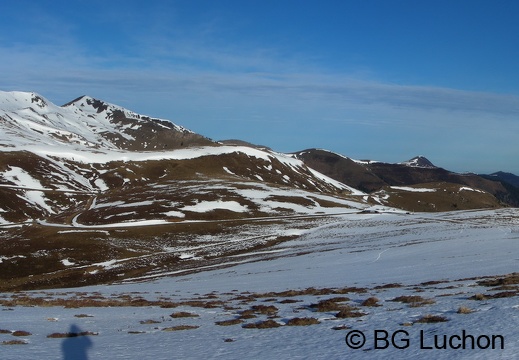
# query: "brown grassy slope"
446,197
378,176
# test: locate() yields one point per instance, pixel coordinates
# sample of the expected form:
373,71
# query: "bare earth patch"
302,321
14,342
71,334
229,322
414,300
431,319
183,314
181,327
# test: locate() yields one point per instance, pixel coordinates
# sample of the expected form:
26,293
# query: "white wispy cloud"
208,71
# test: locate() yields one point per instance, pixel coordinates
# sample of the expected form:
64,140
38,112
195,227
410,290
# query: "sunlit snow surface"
360,250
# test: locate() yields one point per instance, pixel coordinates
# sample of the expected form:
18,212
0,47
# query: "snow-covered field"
433,260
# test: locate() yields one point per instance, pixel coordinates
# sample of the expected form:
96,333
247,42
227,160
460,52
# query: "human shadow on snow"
75,346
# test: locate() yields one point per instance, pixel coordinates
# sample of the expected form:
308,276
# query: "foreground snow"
362,251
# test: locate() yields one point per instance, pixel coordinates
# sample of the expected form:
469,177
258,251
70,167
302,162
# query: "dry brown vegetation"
414,300
247,314
388,286
229,322
83,300
479,297
431,319
181,327
83,316
371,302
183,314
349,312
510,279
328,305
338,306
14,342
269,310
498,295
302,321
464,310
71,334
311,291
267,324
21,333
289,301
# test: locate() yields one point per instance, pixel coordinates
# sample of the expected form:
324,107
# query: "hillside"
505,177
89,183
414,185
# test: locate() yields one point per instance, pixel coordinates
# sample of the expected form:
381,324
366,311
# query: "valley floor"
444,277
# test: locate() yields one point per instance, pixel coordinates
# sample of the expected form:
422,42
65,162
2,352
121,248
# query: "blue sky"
371,79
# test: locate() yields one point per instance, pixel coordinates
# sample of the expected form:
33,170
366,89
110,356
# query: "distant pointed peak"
419,161
87,100
76,100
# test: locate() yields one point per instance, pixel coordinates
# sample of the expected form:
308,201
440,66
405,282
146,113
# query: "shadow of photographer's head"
76,344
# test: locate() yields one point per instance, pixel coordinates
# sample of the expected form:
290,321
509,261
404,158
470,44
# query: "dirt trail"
71,219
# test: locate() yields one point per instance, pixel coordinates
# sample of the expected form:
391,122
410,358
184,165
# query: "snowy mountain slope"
419,161
84,124
412,276
81,174
106,183
84,145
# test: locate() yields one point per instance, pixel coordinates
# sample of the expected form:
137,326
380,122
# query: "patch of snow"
21,178
366,162
2,258
136,204
67,262
101,185
412,189
466,188
336,183
174,213
37,198
205,206
228,171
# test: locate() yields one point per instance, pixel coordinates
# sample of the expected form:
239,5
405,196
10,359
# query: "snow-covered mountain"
90,146
90,182
420,162
85,124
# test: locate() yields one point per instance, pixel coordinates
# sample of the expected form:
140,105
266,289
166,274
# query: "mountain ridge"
87,124
377,177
